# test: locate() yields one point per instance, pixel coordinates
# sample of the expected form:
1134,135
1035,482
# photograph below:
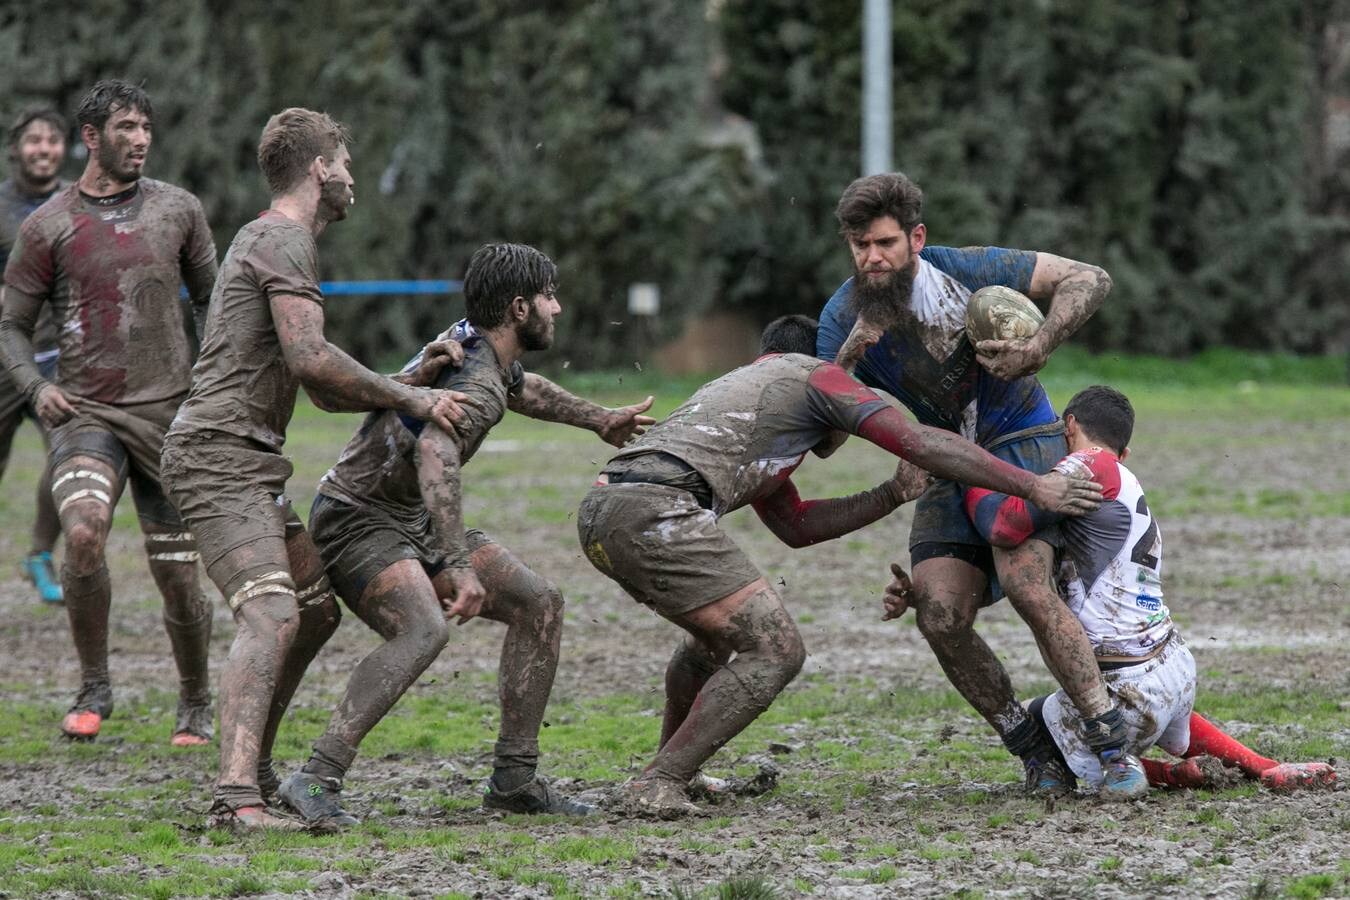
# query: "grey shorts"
231,493
661,547
359,542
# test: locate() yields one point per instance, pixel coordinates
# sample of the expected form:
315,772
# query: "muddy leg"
400,605
318,617
1026,573
532,610
947,595
753,625
46,523
690,667
172,555
86,489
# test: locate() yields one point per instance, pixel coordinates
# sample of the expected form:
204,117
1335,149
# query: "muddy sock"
236,796
514,763
331,758
1105,732
1208,738
87,600
1028,740
191,642
268,781
1169,774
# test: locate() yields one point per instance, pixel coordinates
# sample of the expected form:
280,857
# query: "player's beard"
884,303
110,161
335,198
535,332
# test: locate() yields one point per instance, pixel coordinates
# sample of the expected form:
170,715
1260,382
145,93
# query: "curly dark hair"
870,198
499,273
108,96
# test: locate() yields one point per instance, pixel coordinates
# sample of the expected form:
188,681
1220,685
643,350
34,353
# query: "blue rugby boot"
37,568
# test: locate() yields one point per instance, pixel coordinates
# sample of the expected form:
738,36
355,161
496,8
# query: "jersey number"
1142,554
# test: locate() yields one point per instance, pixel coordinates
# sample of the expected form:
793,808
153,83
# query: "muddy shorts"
941,527
664,549
231,493
359,542
1155,698
129,438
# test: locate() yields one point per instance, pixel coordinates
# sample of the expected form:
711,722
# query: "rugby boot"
37,568
658,797
1048,777
704,785
92,705
535,797
1123,776
1291,776
315,799
194,724
249,819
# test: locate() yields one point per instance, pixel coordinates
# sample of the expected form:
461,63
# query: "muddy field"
1260,598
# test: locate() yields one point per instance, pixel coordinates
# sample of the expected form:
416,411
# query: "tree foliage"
1181,144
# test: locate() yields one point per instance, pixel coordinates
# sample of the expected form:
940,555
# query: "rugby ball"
998,313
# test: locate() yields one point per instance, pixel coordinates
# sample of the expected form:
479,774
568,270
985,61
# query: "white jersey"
1111,573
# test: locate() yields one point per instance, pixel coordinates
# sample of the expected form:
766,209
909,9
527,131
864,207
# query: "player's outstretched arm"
438,479
541,399
341,384
801,523
951,456
17,322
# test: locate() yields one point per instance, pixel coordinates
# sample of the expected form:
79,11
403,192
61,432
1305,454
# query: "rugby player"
901,320
651,524
388,521
222,459
37,148
1111,573
108,255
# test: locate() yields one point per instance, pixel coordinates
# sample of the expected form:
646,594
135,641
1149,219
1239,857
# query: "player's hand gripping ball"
998,313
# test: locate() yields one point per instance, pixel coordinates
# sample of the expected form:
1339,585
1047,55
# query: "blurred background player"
901,320
1111,573
108,255
37,148
388,520
651,524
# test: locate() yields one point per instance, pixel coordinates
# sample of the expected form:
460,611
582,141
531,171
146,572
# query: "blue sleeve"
977,267
835,323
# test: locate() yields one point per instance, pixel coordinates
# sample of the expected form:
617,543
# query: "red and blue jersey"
926,362
1111,559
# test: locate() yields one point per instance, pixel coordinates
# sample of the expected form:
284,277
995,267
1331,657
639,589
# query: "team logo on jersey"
1144,601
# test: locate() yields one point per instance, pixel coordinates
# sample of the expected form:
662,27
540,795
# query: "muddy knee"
84,545
944,618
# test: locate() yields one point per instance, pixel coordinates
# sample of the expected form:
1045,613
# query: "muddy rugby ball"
998,313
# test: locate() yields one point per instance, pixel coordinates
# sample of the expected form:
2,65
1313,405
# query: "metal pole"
876,112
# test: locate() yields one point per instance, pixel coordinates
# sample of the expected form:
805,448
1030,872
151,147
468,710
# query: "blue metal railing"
356,288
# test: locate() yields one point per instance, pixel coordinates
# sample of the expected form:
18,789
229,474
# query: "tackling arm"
800,523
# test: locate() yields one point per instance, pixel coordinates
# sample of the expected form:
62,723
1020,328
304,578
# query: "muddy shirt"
111,269
747,431
378,467
931,368
241,384
15,206
1111,560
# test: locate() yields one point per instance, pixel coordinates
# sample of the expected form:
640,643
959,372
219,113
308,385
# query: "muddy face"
336,194
124,144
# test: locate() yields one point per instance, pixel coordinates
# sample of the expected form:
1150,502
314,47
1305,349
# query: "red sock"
1207,738
1173,774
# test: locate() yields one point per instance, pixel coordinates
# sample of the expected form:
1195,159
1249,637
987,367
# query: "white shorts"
1155,697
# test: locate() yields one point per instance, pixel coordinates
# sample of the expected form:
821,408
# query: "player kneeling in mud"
388,523
650,523
1111,577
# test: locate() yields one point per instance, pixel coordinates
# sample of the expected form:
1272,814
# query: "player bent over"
222,458
1111,568
107,256
651,523
388,522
